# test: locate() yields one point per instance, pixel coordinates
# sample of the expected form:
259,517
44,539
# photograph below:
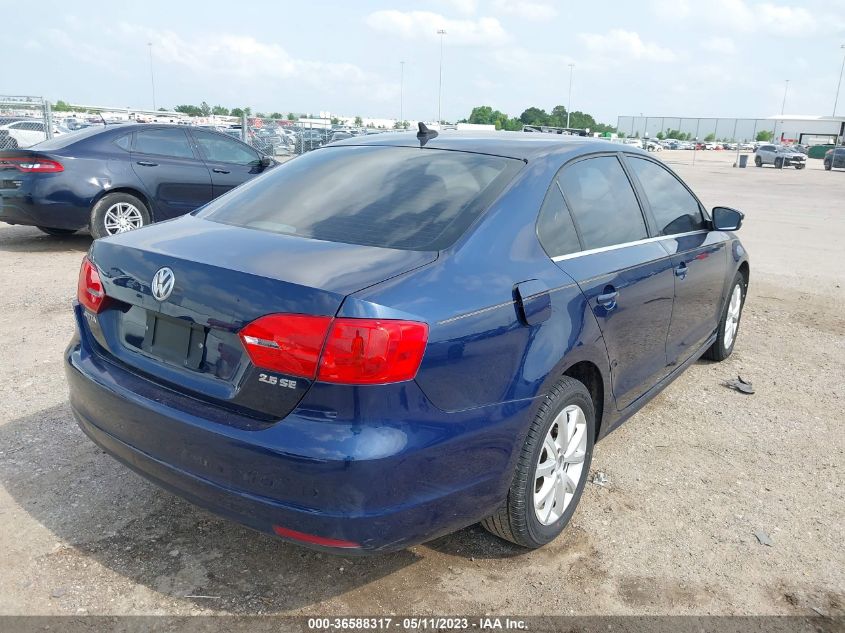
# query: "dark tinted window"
219,149
394,197
554,226
603,202
673,207
163,143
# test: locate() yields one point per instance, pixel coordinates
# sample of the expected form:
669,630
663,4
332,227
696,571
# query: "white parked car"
654,146
27,132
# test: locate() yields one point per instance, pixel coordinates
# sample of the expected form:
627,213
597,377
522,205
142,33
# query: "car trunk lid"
224,278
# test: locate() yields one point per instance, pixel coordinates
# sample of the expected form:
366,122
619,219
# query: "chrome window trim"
614,247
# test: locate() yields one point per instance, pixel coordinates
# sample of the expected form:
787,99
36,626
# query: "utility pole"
402,93
839,85
569,102
441,33
152,77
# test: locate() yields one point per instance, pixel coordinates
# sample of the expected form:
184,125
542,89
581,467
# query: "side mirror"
727,219
266,161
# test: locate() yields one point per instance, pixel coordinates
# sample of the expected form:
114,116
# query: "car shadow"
100,510
28,239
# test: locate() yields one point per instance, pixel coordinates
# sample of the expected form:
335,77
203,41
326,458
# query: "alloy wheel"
732,319
121,217
560,466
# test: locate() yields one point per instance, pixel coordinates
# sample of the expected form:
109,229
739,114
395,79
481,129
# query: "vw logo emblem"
162,284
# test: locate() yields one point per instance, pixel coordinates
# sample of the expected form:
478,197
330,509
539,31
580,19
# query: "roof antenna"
425,134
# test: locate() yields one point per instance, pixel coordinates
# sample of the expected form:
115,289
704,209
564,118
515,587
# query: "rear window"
393,197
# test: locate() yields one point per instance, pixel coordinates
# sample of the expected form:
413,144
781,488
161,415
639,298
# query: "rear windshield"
393,197
61,141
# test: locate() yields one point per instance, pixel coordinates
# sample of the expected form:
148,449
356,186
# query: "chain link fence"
24,121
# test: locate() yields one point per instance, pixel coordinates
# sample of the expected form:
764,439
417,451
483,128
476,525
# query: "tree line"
486,115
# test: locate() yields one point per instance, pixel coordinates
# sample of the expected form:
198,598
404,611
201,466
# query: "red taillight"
311,538
32,164
372,351
343,350
89,291
287,343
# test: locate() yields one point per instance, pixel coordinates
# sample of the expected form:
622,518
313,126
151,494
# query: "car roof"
519,145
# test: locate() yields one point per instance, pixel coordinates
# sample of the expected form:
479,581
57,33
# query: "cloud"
719,45
465,7
244,57
749,17
618,45
528,9
425,24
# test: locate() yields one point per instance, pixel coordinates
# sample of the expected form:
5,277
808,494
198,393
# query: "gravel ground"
691,478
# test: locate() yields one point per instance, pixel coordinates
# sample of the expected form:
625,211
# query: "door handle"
608,298
147,163
217,170
681,270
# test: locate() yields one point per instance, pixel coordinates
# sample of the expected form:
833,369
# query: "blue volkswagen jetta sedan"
397,336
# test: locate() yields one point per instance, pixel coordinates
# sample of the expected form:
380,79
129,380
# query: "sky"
694,58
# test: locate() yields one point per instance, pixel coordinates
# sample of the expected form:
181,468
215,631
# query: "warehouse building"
804,129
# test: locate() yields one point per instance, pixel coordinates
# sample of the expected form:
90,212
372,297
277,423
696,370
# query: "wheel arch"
588,373
132,191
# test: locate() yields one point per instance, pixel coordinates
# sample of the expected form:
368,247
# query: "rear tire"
827,166
549,462
729,323
55,232
117,213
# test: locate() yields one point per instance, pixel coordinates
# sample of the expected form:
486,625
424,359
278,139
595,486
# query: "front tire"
551,470
827,166
799,166
758,161
729,323
55,232
117,213
778,163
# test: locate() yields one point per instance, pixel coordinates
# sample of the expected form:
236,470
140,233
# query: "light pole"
839,85
402,94
569,102
152,77
441,33
782,108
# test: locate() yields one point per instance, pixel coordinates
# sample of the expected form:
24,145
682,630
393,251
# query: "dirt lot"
691,478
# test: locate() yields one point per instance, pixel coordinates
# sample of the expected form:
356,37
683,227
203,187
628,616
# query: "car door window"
555,228
673,207
163,143
219,149
603,203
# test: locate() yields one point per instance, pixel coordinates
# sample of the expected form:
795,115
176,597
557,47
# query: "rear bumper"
341,466
34,203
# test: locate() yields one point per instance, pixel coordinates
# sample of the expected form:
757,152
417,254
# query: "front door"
699,257
230,161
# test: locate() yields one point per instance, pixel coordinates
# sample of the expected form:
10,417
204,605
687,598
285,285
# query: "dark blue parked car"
394,337
121,177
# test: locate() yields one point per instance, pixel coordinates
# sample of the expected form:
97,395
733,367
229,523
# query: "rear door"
625,275
176,179
230,161
699,256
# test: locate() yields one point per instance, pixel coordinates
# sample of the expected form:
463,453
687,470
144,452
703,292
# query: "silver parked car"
779,156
